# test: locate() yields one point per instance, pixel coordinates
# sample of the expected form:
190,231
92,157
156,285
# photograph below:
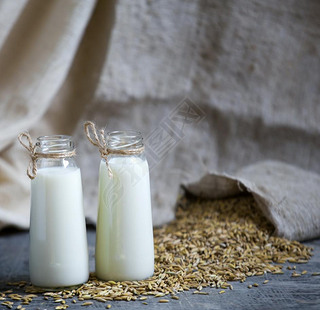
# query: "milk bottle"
124,240
58,242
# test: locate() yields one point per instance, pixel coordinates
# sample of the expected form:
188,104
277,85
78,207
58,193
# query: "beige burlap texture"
288,196
212,86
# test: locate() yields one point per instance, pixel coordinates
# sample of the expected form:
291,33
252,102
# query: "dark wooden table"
282,291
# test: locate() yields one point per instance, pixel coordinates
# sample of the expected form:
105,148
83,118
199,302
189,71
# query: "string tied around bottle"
34,155
97,138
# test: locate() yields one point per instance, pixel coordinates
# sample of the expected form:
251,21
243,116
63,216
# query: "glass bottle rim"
55,137
124,139
51,144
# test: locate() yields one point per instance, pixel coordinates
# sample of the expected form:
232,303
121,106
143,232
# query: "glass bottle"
124,240
58,241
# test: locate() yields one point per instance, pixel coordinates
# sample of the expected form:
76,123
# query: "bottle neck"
123,141
55,144
55,151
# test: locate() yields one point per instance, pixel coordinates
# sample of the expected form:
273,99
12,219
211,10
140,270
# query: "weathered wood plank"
282,291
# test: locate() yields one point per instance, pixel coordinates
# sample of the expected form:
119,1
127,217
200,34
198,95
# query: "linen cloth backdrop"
212,85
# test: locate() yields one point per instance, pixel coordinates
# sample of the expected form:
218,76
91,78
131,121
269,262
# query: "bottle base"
120,278
47,286
56,288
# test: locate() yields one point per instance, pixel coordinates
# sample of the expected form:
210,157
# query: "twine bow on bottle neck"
31,147
99,141
34,155
97,138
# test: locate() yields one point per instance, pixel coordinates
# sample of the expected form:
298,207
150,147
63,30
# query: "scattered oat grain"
295,274
210,243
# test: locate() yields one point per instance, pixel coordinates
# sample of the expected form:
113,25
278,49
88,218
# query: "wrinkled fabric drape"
289,197
213,86
49,68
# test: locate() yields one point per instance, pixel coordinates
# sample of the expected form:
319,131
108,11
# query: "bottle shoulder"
64,163
125,160
58,170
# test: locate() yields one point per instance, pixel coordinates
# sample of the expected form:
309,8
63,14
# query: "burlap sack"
288,196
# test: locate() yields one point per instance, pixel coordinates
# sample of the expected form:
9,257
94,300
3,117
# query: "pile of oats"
211,243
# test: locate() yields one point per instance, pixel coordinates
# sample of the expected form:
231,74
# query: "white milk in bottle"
58,241
124,241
